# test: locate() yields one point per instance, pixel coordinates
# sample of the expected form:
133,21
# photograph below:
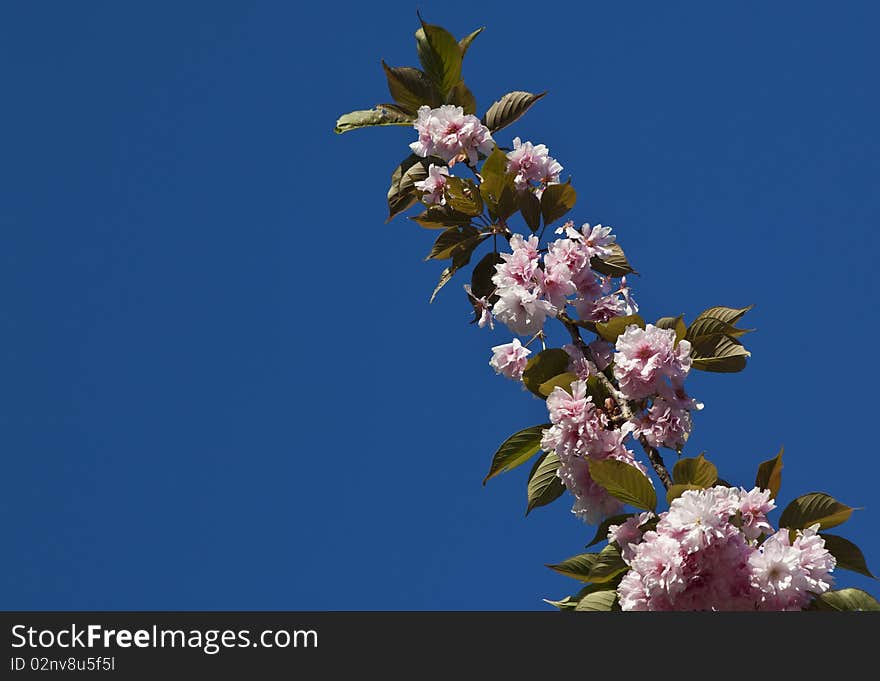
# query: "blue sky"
222,384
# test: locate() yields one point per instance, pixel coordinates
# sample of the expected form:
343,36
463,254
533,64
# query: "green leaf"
731,315
698,471
676,323
570,602
624,482
544,485
598,601
578,567
712,326
675,491
529,207
441,217
607,566
770,475
516,450
402,193
461,96
497,188
848,555
460,258
845,600
720,354
370,118
463,196
614,264
563,381
567,603
481,278
597,390
452,240
812,508
602,530
411,88
556,201
509,108
615,326
542,367
465,42
440,56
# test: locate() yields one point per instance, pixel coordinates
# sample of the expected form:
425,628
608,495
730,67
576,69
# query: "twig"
626,410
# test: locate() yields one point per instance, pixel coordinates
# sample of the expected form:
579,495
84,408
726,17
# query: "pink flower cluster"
531,287
647,358
580,433
705,554
648,363
448,133
532,164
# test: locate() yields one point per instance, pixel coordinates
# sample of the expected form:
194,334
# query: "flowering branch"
714,548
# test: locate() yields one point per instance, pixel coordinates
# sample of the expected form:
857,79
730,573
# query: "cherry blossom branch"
654,456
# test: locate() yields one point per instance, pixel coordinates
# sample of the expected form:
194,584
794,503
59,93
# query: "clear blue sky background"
221,383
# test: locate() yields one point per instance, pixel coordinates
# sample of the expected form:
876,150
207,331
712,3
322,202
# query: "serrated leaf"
607,566
816,507
770,475
720,354
697,471
497,188
509,108
615,326
441,217
371,118
556,201
529,207
577,567
848,555
570,602
675,323
712,326
460,258
624,482
598,601
675,491
563,381
460,95
481,277
844,600
465,43
731,315
544,484
516,450
440,56
451,240
463,196
614,264
542,367
567,603
411,88
402,193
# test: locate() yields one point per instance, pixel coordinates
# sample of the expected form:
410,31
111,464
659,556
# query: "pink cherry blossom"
434,184
521,310
645,357
510,359
448,133
532,164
